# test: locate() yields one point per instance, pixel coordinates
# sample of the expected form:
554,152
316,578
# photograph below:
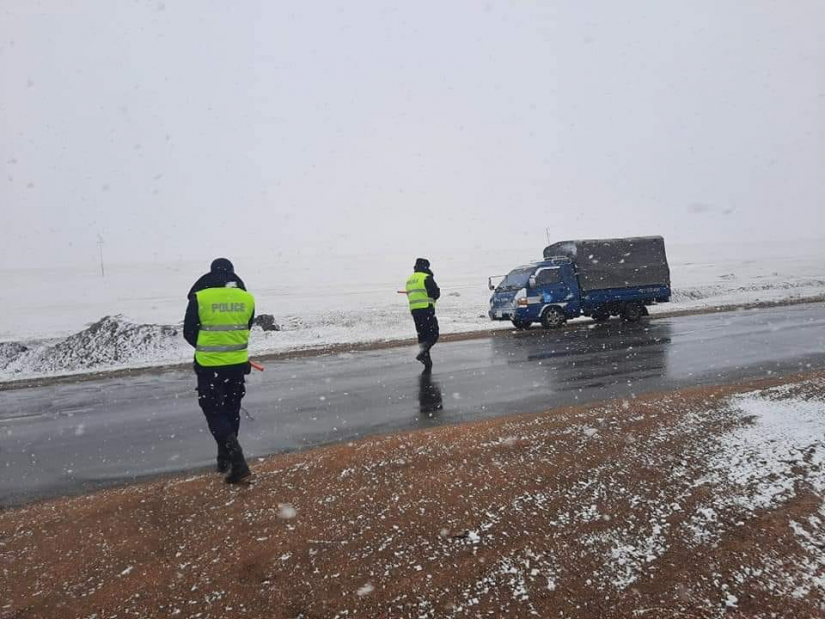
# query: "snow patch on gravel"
763,462
776,454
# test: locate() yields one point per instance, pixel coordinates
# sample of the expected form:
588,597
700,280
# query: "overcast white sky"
189,129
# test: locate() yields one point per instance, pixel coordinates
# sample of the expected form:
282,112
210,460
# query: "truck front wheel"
632,311
552,318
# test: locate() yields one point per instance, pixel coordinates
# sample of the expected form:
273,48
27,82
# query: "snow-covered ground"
323,300
766,463
770,454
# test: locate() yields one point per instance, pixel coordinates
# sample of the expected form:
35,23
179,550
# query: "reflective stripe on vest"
230,348
224,315
417,292
243,327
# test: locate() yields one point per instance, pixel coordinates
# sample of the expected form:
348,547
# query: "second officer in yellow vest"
217,323
422,294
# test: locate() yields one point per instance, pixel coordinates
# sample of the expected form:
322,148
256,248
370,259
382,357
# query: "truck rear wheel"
632,311
552,318
521,324
600,316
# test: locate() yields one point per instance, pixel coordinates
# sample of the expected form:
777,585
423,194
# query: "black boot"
239,469
424,355
223,458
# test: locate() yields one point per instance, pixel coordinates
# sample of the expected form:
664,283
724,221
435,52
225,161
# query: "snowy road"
67,438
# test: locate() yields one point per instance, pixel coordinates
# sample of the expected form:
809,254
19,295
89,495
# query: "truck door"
550,286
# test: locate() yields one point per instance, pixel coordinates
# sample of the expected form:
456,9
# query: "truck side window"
547,276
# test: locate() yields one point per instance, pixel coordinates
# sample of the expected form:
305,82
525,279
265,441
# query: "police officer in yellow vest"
422,294
217,323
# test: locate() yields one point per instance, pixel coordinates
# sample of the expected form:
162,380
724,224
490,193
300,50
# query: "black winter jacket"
214,280
433,290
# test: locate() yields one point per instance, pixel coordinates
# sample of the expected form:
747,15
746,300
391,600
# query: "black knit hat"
422,263
222,265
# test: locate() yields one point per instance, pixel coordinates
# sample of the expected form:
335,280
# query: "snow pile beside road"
111,342
10,352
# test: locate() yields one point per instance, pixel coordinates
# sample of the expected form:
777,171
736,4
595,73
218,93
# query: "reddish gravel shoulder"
682,504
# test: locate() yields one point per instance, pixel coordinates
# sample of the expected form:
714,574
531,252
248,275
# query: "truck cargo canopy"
616,263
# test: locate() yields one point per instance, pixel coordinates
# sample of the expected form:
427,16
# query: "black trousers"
426,325
219,396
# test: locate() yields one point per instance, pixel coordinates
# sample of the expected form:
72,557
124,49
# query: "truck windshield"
516,280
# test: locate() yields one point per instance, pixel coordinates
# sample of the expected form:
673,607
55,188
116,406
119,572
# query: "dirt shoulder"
685,504
379,345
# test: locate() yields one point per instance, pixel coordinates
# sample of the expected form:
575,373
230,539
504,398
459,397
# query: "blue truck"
598,278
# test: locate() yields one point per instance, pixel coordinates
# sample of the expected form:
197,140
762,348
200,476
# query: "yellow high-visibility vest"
224,332
417,294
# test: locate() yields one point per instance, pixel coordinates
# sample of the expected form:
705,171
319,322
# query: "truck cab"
545,291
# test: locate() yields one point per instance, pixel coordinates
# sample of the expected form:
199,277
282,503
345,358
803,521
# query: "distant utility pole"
547,235
100,249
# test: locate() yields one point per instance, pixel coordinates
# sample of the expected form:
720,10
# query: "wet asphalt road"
69,438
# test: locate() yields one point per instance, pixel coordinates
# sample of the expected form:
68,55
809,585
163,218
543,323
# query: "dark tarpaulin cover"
616,263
